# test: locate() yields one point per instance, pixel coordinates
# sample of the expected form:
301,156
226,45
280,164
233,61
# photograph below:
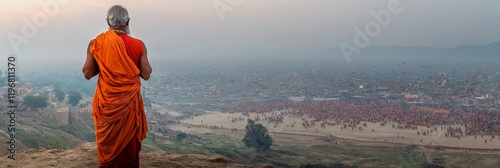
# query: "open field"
291,150
372,132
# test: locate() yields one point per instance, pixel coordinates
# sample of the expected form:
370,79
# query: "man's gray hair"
117,16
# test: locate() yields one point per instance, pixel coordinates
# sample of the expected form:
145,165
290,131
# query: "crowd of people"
400,114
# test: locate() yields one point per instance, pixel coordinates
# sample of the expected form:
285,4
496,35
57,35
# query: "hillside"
39,129
85,156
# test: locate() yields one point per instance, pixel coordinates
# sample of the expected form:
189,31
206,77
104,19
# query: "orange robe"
118,109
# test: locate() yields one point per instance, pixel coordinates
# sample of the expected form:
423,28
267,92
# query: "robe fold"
118,108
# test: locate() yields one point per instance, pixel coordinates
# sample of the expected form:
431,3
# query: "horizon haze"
235,29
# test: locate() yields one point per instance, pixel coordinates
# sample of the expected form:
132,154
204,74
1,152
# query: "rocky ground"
85,156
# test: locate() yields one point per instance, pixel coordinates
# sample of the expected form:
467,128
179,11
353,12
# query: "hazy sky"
260,24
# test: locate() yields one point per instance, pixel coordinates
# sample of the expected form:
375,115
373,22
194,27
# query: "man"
118,109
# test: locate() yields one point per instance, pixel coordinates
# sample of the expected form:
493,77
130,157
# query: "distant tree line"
34,102
40,101
73,97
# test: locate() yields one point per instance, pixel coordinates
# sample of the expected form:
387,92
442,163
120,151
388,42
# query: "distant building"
62,115
85,109
325,99
298,99
411,97
153,126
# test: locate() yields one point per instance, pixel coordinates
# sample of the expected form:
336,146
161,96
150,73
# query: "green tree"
59,94
181,136
257,137
35,101
74,98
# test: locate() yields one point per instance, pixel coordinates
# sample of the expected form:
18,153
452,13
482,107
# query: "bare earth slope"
85,156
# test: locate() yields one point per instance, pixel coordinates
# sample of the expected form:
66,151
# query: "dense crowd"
352,112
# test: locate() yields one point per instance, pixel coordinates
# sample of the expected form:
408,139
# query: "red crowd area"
353,112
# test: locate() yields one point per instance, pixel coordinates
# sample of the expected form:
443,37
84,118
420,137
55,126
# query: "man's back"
134,47
118,109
